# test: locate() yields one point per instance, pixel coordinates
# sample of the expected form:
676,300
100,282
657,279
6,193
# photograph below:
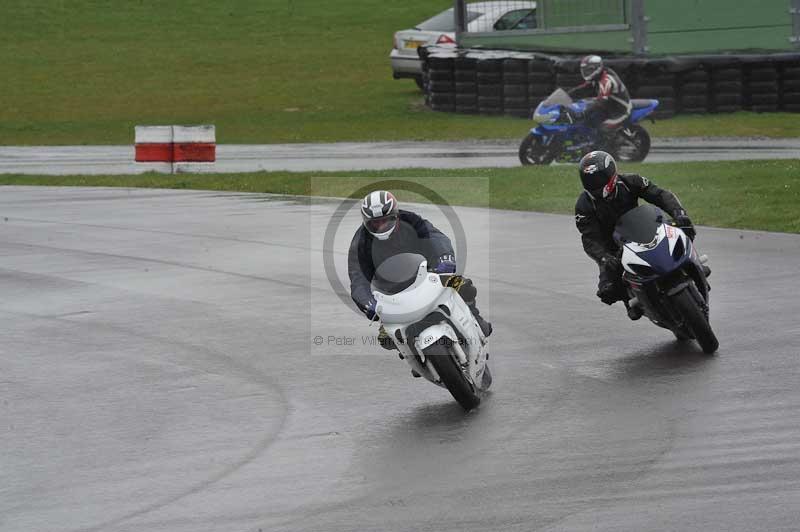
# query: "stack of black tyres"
490,85
761,90
727,88
541,81
790,87
515,87
656,83
693,87
568,74
425,80
466,84
513,83
441,82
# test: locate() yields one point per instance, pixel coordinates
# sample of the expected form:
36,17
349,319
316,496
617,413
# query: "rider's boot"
386,341
468,292
634,311
485,326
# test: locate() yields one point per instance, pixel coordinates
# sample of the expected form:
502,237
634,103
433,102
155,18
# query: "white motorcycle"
432,327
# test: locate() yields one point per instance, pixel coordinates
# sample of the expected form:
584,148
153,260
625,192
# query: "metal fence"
542,15
625,26
574,13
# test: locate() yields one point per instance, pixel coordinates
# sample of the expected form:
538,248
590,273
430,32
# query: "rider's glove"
446,264
610,263
370,310
607,291
683,221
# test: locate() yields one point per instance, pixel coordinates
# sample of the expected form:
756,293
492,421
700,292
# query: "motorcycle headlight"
549,117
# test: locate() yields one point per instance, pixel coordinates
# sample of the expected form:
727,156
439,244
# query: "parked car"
441,30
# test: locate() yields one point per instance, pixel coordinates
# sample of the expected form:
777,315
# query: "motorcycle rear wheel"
696,320
632,147
452,376
532,152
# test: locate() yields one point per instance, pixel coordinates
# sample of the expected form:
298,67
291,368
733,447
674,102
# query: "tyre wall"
498,82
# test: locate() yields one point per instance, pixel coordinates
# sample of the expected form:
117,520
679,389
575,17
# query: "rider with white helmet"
386,230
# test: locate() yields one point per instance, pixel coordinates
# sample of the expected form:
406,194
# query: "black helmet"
591,67
598,174
379,212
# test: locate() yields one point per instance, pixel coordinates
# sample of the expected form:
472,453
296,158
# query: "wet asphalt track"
158,374
346,156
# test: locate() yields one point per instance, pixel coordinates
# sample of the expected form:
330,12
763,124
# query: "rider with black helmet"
608,195
386,230
612,103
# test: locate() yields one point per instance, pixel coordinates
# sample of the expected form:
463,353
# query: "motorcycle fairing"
426,312
548,112
414,302
658,254
638,113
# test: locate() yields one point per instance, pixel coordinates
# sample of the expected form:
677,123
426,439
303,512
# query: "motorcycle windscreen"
396,273
559,97
639,225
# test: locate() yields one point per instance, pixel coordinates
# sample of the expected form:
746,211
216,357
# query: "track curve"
159,373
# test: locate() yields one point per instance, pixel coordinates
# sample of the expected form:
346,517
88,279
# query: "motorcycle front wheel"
452,376
633,144
696,320
531,151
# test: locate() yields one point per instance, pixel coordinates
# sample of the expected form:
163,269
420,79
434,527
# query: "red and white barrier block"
175,149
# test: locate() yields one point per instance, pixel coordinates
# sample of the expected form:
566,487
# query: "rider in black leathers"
387,231
607,196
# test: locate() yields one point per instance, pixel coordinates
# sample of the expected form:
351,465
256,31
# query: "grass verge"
86,72
740,194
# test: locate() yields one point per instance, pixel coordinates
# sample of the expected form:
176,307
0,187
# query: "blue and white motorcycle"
558,137
665,278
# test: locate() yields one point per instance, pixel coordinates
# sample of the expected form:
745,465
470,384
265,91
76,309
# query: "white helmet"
591,66
379,212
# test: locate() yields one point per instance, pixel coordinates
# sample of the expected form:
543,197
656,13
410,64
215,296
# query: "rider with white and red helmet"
612,103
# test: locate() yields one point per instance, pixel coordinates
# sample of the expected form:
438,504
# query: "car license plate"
414,44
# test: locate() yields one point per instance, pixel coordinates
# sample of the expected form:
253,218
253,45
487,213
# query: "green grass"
87,71
742,194
741,124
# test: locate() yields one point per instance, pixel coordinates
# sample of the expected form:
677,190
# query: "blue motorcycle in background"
559,137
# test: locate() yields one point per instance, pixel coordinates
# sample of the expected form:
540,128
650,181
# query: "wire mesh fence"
512,15
501,15
577,13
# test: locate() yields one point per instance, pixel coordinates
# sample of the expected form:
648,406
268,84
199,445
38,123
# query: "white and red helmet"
591,67
380,213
